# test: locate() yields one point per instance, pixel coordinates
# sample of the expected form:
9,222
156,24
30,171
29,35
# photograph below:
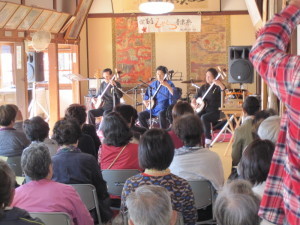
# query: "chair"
116,179
204,196
88,195
15,164
53,218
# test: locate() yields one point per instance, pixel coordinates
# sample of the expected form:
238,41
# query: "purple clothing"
50,196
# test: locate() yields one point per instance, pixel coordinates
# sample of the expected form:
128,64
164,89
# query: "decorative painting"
208,48
133,52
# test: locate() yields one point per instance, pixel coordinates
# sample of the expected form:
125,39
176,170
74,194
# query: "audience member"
117,152
243,134
192,161
12,141
236,204
71,166
156,152
280,70
269,129
37,130
255,164
258,118
44,195
150,204
11,215
130,115
85,141
180,108
90,130
19,118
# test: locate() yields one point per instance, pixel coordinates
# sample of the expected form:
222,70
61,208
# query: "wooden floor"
226,160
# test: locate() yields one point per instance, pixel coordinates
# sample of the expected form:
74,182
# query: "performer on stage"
210,113
108,100
166,95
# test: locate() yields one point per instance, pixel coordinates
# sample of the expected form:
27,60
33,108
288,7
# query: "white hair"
237,204
150,205
269,129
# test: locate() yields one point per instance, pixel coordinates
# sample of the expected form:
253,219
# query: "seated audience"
255,164
269,129
258,118
117,152
243,134
11,215
37,130
150,204
236,204
45,195
19,118
71,166
130,115
192,161
90,129
12,141
180,108
85,141
156,152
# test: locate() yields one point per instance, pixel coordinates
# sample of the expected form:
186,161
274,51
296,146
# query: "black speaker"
240,68
35,67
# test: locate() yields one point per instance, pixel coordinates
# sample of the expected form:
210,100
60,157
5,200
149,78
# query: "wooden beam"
53,84
75,70
20,67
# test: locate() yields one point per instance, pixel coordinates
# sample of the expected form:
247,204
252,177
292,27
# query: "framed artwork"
29,19
60,22
133,52
67,25
6,13
81,14
41,20
208,48
17,17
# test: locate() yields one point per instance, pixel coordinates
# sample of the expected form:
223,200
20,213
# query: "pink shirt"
50,196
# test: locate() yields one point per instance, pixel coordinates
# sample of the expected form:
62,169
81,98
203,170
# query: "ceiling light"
156,7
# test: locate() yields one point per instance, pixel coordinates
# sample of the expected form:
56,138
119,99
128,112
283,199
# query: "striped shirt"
281,71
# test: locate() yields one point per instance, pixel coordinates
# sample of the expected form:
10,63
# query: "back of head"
156,150
7,115
77,112
189,129
236,204
7,185
162,68
66,131
115,130
269,128
127,112
181,108
251,105
36,160
256,161
149,205
36,129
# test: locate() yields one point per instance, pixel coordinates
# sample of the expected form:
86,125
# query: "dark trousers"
162,118
207,118
93,113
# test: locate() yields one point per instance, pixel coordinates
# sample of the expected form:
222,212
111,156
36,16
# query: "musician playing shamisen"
212,101
108,92
164,94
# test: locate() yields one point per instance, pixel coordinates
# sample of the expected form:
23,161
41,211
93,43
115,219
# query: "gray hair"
237,204
35,161
150,205
269,129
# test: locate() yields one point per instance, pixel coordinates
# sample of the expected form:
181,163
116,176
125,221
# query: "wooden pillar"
53,84
75,70
19,67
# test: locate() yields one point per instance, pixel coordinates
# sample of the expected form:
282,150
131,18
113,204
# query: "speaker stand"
34,103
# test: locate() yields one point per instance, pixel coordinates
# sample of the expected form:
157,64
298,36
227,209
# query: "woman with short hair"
156,152
43,194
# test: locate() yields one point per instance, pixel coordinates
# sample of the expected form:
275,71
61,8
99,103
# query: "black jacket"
17,216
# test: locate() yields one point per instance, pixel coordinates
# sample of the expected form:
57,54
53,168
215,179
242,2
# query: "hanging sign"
147,24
